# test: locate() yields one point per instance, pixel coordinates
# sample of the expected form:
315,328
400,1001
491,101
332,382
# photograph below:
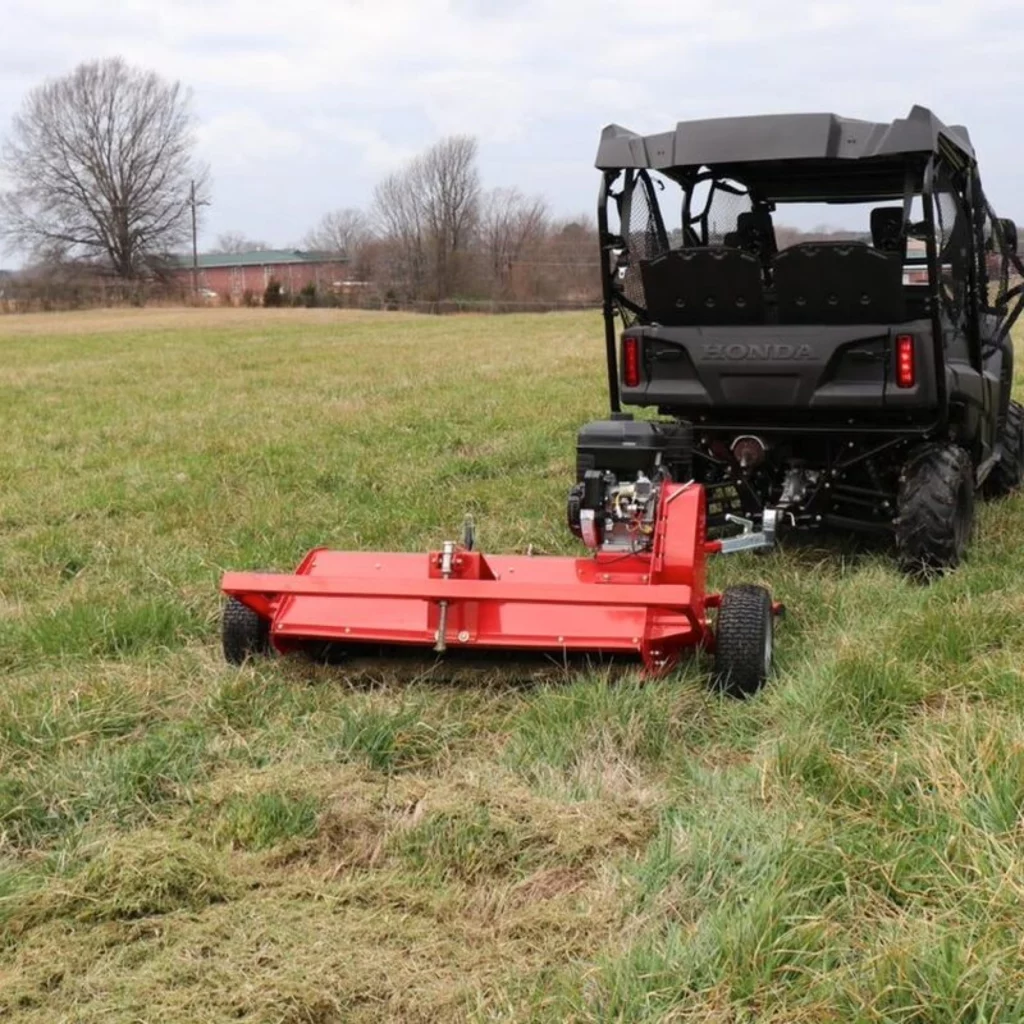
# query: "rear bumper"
781,372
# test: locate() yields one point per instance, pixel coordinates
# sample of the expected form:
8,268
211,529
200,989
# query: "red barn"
233,274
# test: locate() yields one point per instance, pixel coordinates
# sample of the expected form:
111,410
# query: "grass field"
184,841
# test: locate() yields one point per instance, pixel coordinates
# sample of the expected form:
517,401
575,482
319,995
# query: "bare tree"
511,226
343,231
427,214
348,234
397,209
236,241
100,162
450,189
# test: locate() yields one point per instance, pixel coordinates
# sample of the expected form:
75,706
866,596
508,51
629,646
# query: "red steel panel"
650,604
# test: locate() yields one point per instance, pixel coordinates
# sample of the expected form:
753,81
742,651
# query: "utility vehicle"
858,380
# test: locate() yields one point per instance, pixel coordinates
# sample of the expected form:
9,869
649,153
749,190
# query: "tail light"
906,370
631,362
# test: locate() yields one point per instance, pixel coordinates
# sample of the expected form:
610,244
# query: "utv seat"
838,283
703,286
888,234
755,234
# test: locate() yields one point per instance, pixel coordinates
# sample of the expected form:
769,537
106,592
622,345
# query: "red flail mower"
640,592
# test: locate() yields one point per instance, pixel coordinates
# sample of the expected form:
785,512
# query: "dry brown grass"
172,318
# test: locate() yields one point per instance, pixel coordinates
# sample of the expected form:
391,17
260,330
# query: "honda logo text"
765,352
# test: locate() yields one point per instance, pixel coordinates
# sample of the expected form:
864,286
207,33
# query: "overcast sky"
303,105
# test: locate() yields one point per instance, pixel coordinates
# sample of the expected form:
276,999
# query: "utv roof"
772,137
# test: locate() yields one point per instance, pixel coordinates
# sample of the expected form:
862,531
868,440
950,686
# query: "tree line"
433,233
102,183
102,188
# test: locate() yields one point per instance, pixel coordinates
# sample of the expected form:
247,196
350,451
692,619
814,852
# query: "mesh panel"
642,237
999,262
724,213
992,264
952,231
945,217
713,209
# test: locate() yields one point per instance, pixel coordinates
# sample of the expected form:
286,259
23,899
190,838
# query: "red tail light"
631,362
906,370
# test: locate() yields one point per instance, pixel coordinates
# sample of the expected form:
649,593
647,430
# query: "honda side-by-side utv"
859,382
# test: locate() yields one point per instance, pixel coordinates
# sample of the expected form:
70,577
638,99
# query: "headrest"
887,228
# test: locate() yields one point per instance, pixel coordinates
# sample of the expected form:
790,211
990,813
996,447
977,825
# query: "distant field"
184,841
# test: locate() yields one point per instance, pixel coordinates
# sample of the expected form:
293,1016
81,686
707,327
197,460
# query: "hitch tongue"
751,539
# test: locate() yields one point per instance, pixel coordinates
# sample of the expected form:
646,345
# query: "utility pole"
193,203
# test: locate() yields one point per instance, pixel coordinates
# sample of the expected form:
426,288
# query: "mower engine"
621,466
609,515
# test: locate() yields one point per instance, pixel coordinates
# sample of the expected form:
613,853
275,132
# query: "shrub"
274,294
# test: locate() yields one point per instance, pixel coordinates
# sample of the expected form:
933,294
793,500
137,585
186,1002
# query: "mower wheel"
1008,473
743,640
935,509
573,507
244,634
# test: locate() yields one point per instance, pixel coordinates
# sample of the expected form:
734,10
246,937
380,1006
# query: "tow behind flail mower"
640,593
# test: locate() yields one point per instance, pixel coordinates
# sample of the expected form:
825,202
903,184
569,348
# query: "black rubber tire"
1008,474
744,639
244,634
573,506
935,510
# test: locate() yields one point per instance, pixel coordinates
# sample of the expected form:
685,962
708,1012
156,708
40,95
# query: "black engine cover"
625,447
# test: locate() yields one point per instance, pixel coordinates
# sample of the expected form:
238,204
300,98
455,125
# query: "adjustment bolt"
463,636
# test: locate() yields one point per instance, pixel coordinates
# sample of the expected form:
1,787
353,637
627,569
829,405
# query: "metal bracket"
751,539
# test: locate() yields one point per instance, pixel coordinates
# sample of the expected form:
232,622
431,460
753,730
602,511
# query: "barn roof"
260,258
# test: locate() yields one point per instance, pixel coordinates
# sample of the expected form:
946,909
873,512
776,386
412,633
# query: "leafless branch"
100,163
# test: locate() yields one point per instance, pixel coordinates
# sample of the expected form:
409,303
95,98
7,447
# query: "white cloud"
244,139
333,93
376,152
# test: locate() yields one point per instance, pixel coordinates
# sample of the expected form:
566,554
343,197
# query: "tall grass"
181,840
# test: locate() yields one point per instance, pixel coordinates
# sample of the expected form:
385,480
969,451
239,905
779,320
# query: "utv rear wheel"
935,509
1008,473
244,634
743,641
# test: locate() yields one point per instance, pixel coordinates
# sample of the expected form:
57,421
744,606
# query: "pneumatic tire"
573,506
743,641
244,634
935,510
1008,474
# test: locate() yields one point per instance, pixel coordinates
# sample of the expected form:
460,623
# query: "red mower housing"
651,604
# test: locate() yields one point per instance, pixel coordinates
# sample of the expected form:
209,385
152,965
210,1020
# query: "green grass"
288,842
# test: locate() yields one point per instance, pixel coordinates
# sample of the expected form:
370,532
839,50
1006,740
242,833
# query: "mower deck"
641,597
651,604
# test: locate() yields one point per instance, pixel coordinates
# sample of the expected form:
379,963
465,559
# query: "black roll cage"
963,171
